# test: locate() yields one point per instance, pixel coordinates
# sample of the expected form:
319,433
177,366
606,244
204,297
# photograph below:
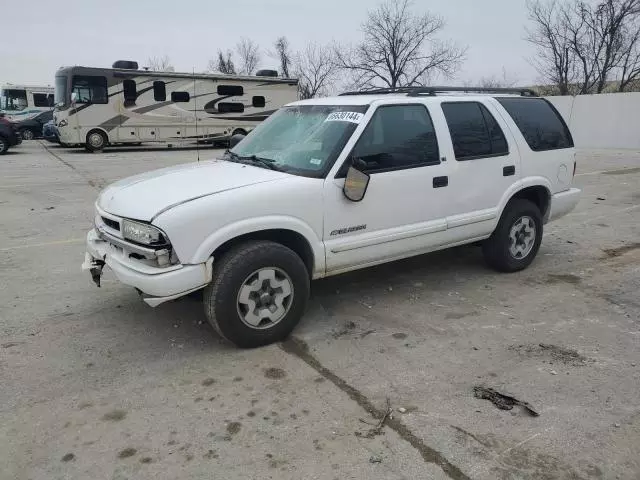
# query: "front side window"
89,89
60,95
302,140
14,99
475,133
397,137
541,125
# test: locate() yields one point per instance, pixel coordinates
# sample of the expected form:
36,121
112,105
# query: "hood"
144,196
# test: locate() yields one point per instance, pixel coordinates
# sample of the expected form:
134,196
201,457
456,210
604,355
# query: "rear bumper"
157,284
563,203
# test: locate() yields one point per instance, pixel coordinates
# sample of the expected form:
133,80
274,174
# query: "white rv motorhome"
22,102
124,105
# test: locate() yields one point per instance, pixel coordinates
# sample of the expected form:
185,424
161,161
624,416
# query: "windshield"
302,140
60,97
13,100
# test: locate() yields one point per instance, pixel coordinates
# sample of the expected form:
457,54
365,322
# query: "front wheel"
258,293
96,141
27,134
516,240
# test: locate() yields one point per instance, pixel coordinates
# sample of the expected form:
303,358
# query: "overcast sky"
40,36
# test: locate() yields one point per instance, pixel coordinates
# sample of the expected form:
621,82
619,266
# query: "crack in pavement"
97,185
298,348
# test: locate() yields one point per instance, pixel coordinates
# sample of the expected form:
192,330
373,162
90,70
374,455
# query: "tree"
630,61
160,64
554,60
316,70
283,54
249,53
223,64
494,81
400,48
585,44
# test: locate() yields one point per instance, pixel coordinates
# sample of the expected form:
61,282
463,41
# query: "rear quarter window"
541,125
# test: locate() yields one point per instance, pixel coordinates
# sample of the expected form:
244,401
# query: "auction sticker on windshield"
353,117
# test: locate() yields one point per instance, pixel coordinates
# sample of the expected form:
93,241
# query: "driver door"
403,210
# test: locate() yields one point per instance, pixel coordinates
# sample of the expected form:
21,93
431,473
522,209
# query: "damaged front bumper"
157,284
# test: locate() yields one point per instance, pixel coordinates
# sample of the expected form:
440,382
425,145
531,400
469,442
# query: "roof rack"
432,91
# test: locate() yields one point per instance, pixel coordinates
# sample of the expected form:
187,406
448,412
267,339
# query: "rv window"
14,99
230,107
90,89
180,96
41,100
231,90
258,102
50,99
129,89
159,91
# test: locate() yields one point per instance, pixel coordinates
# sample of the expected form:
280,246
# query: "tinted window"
129,89
496,137
230,107
258,102
41,100
180,96
468,131
541,125
398,136
232,90
159,91
50,99
90,89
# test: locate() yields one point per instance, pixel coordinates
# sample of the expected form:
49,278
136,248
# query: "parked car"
9,135
329,185
32,128
50,132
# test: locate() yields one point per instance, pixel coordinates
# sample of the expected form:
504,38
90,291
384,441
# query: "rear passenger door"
484,165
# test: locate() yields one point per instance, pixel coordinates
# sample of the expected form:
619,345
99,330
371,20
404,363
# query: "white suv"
329,185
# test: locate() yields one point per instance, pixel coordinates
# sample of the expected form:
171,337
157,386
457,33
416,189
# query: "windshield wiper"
258,161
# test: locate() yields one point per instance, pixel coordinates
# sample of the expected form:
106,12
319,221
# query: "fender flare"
520,185
254,225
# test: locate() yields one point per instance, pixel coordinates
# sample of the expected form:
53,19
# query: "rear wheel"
28,134
516,240
258,293
4,145
239,131
96,141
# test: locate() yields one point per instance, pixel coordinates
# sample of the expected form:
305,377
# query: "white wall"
605,121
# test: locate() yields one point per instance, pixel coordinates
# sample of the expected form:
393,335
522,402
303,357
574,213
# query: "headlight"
63,123
143,233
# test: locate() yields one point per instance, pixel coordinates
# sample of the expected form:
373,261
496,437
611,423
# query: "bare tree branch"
249,53
284,55
223,63
160,64
400,48
316,70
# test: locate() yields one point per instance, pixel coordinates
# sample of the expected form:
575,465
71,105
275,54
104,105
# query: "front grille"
111,223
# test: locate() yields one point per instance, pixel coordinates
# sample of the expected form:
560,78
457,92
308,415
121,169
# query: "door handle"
440,182
508,170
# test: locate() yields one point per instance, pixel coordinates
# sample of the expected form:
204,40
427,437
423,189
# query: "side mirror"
355,184
235,139
74,97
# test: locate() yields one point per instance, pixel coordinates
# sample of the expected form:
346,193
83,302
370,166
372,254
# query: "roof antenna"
195,112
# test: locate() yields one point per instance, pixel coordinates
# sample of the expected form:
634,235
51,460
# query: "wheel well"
537,195
288,238
239,130
99,130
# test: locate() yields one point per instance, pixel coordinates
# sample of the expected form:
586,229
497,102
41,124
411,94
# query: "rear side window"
541,125
159,91
231,90
230,107
180,97
474,131
258,101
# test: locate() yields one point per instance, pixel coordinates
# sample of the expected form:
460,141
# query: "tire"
239,131
96,141
516,240
237,274
4,145
27,134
